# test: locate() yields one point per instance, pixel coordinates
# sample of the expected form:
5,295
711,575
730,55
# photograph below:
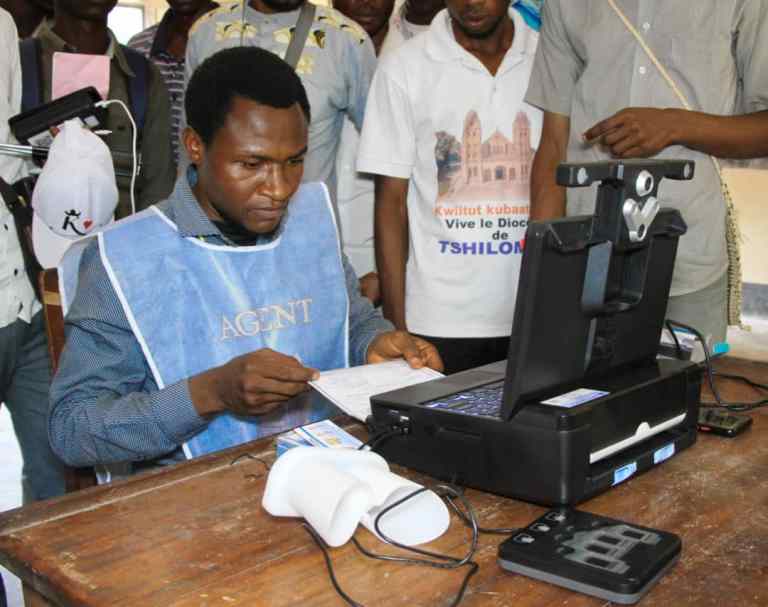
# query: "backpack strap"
138,88
19,206
300,33
31,74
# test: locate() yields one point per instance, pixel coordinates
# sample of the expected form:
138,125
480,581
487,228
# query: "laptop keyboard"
484,400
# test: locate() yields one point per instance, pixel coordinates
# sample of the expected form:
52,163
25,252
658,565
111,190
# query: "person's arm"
388,150
557,68
365,321
640,132
104,403
548,198
643,132
360,66
11,168
391,243
158,168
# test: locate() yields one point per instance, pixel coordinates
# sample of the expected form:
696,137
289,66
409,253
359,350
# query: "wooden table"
196,535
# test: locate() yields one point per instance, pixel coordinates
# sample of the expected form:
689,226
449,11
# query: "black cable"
329,565
487,530
377,439
450,562
735,407
750,382
443,561
678,349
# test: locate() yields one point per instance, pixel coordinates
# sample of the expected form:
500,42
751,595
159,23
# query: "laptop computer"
581,403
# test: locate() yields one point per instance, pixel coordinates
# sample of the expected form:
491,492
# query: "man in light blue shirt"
238,295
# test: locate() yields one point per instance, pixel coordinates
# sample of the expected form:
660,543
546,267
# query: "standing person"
165,44
451,142
372,15
410,17
80,26
28,14
355,190
603,98
24,363
336,65
256,295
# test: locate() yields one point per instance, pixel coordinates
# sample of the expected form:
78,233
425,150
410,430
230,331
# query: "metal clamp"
639,217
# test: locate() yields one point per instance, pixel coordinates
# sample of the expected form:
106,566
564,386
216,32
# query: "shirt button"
16,272
5,225
646,26
642,70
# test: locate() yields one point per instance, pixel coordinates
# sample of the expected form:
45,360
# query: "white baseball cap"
75,194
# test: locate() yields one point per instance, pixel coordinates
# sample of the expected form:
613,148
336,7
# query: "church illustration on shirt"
497,169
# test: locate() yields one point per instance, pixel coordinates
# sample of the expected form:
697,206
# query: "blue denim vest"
193,305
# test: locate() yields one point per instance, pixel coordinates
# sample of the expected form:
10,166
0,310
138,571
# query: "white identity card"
351,389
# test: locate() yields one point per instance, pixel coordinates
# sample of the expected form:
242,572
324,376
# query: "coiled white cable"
134,155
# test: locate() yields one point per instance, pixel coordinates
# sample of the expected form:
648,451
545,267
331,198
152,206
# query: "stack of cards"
320,434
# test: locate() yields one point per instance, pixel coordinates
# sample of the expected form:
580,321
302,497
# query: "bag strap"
300,33
22,218
31,74
138,88
662,70
732,231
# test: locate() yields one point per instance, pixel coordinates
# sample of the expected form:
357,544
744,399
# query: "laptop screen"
593,290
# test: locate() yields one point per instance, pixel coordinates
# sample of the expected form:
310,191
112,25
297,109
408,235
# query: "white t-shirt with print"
465,139
400,30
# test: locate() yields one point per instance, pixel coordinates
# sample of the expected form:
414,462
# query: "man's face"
187,8
87,10
477,18
252,166
371,15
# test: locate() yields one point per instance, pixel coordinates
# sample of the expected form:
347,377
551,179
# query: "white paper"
351,389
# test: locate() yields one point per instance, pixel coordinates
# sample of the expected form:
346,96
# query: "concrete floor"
10,492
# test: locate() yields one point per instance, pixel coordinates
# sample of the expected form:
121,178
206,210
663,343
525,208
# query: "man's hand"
369,287
401,344
251,384
637,132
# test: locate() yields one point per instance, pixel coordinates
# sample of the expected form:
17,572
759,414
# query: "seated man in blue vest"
195,321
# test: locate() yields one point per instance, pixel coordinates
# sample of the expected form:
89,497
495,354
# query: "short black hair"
245,71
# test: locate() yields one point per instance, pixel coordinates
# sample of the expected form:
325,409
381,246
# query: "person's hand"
369,287
636,132
401,344
251,384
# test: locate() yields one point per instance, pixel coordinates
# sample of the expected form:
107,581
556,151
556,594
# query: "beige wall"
153,11
750,193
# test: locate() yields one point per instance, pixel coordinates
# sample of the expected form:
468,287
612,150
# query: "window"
126,20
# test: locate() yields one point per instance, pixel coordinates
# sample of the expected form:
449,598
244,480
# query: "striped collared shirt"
153,44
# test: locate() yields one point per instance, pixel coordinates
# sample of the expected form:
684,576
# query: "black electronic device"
33,126
593,554
582,403
723,423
